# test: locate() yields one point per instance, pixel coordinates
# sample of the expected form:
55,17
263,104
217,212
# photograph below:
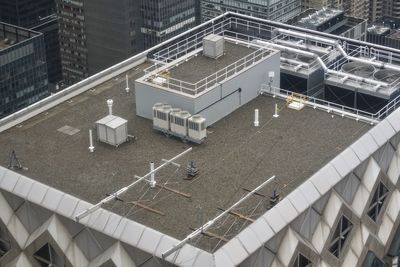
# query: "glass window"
47,256
372,261
4,243
302,261
377,201
340,236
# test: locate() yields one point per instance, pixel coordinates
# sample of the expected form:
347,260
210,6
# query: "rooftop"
194,72
201,66
4,43
11,35
236,156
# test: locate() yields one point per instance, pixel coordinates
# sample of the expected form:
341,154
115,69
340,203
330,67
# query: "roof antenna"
256,121
14,162
91,147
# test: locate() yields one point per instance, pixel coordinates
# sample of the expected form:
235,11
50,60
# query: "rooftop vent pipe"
110,105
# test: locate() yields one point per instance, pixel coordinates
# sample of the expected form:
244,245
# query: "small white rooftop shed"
112,130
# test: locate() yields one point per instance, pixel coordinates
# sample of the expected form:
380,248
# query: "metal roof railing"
327,106
213,79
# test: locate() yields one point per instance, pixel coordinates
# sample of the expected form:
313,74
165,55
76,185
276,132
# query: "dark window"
47,256
302,261
372,261
4,243
340,236
377,201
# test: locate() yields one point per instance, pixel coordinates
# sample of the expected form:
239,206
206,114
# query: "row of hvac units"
179,123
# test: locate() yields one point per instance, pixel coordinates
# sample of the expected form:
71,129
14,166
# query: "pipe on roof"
285,48
307,36
380,65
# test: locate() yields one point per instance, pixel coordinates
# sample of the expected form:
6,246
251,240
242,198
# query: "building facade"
38,16
73,41
333,21
162,20
266,9
358,9
25,13
317,4
49,27
97,34
23,72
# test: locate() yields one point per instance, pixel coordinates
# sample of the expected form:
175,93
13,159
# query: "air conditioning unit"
213,46
178,122
197,127
161,116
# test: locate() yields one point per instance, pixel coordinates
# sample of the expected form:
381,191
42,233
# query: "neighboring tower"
25,13
165,19
375,10
266,9
95,34
23,75
391,8
73,40
37,15
356,8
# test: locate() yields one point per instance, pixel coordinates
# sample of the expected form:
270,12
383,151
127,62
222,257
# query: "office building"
317,4
266,9
25,13
37,15
23,72
332,21
97,34
283,178
49,27
358,9
162,20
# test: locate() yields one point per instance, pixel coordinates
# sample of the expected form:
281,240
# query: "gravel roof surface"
201,66
236,155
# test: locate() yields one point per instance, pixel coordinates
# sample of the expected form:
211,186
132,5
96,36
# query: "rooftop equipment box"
112,130
213,46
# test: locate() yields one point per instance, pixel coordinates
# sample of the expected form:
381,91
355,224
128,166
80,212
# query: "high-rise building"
25,13
37,15
73,41
372,10
97,34
267,9
332,21
23,75
319,4
49,27
391,8
358,9
162,20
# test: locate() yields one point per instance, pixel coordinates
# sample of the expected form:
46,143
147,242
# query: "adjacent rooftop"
11,35
53,148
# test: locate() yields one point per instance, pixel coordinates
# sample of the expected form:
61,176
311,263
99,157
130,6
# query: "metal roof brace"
124,189
207,225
